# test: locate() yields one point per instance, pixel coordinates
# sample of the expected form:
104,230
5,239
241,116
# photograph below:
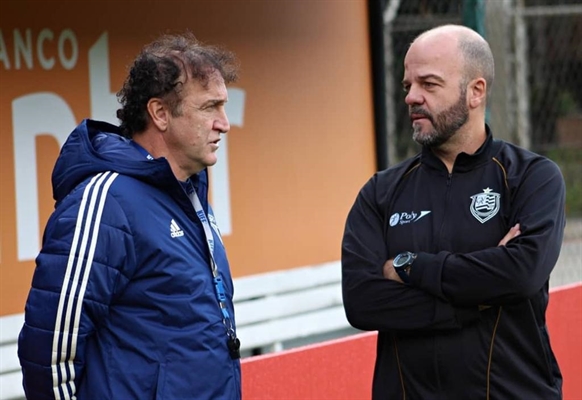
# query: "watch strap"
403,274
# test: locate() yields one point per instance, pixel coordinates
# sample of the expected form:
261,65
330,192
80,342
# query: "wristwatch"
402,265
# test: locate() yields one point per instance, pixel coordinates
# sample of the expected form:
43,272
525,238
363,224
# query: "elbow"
519,290
356,315
528,288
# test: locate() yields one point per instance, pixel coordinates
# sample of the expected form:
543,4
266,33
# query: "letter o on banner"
68,35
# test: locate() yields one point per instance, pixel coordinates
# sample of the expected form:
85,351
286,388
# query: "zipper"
399,367
447,193
440,245
491,353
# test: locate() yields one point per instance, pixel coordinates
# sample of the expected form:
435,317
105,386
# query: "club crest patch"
485,206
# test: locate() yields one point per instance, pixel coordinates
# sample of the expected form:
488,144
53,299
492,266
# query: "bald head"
470,46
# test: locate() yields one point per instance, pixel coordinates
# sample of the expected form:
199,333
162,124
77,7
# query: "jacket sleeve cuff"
426,273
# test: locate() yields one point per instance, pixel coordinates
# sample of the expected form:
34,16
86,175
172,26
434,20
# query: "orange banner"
301,143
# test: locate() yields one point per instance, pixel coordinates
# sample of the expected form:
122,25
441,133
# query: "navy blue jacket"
471,323
122,304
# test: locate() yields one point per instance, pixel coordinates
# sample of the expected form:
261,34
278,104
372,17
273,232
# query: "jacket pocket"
161,381
550,360
198,377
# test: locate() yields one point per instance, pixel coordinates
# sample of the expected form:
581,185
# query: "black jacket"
436,340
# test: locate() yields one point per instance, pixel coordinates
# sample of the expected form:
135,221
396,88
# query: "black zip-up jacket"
471,323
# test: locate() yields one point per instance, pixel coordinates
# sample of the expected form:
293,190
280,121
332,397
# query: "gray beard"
445,125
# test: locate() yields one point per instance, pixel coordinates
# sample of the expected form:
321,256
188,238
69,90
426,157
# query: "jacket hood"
96,146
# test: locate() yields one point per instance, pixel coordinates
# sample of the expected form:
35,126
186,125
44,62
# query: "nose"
221,123
413,97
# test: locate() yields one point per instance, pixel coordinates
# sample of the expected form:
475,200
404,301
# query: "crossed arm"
390,272
446,289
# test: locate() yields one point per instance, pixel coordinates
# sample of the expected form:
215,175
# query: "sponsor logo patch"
406,218
175,230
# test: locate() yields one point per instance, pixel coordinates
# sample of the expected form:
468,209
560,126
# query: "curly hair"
161,69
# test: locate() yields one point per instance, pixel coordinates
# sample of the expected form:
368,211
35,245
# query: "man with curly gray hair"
132,293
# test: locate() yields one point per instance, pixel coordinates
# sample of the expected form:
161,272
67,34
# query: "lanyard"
233,342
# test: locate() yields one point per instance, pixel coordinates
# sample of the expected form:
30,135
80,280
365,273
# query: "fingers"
516,230
388,269
513,233
390,273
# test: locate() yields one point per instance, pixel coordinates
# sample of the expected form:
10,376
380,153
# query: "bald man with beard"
448,254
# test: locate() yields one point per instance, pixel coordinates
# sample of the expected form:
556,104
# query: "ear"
158,113
477,92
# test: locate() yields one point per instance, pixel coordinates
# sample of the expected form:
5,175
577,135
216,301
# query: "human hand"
513,233
389,271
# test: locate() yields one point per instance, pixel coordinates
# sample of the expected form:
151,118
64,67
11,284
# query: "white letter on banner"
103,103
45,63
33,115
3,54
20,47
219,176
69,35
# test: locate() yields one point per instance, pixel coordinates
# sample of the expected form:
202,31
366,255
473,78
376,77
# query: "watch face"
402,259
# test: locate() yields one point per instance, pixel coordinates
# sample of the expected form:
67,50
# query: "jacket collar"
464,162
